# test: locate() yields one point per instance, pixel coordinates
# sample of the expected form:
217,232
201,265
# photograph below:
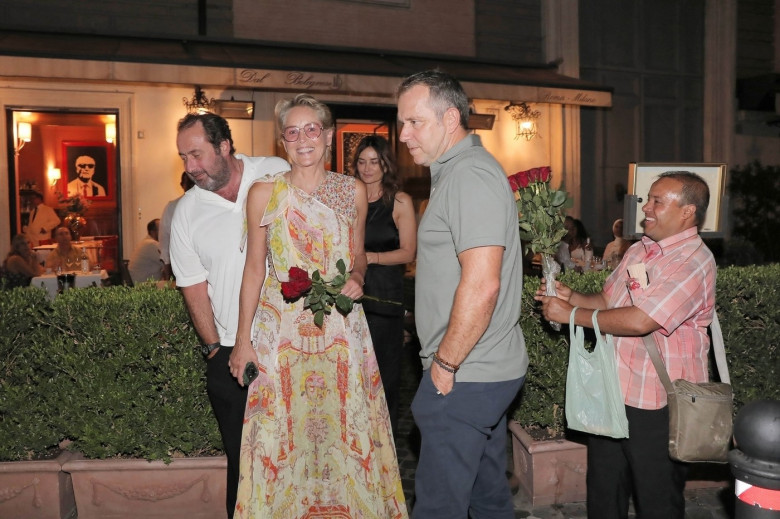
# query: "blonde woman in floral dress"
317,439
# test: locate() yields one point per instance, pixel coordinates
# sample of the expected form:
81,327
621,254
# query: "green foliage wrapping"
749,315
754,191
541,212
115,370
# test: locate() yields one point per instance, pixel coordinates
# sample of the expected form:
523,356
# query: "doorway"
354,119
71,158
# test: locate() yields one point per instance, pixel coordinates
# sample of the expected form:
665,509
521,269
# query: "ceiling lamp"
525,119
23,136
199,104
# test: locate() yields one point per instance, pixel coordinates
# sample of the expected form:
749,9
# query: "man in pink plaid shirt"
671,294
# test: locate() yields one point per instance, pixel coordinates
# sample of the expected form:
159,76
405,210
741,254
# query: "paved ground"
713,503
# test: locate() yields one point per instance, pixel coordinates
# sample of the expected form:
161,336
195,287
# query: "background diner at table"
21,263
65,255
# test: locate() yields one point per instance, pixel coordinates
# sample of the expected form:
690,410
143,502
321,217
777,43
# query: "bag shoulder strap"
717,347
655,356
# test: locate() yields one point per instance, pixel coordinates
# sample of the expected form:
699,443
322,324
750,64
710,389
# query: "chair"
127,279
109,253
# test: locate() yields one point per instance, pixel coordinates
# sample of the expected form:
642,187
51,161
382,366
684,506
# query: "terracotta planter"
548,471
36,489
187,488
554,471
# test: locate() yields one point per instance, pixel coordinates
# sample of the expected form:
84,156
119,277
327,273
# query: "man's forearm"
199,305
471,313
592,301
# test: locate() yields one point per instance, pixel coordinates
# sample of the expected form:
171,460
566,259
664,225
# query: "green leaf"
344,303
341,266
319,318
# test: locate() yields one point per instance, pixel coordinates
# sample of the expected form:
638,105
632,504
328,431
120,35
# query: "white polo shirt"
205,245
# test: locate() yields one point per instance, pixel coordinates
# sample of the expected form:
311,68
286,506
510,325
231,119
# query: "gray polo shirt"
471,205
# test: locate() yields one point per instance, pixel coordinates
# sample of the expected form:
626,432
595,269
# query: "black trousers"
638,466
387,334
228,400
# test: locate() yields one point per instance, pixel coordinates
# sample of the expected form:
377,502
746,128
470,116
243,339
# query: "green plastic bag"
594,401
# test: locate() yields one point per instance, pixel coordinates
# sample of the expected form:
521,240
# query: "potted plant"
32,484
117,374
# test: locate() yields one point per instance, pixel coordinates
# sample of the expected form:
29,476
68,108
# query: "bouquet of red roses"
541,211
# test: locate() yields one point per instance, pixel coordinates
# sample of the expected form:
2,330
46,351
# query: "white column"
560,29
720,71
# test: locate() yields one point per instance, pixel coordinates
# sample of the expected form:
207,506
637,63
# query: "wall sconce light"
110,132
23,136
525,119
234,109
54,175
199,104
481,121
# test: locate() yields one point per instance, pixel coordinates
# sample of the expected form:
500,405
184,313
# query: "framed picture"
348,136
642,175
89,168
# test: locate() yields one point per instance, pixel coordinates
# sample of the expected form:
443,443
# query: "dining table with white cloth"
91,246
48,281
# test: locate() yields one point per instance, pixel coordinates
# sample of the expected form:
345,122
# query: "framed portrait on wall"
88,169
642,175
348,136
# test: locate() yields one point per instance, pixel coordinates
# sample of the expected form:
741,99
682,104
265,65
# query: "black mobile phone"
250,373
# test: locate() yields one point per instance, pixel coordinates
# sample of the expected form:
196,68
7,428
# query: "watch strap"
206,349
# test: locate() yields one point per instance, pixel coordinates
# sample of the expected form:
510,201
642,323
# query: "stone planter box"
187,488
548,471
554,471
36,489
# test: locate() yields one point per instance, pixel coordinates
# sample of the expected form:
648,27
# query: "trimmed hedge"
116,371
749,315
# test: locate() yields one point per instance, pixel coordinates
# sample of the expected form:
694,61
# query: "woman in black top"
391,243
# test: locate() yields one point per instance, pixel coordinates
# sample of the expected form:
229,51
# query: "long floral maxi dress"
316,441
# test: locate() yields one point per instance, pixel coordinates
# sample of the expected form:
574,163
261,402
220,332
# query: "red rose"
519,180
513,183
298,284
544,174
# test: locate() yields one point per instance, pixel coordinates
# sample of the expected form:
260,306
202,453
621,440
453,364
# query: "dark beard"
216,180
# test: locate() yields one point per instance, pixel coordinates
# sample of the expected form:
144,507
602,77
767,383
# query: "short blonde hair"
284,106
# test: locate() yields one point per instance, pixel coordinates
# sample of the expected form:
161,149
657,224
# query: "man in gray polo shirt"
467,300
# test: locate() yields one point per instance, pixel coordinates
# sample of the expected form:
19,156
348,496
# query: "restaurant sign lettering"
290,80
574,97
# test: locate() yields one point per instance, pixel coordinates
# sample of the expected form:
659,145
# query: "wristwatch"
206,349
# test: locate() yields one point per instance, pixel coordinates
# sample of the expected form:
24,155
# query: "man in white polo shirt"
208,262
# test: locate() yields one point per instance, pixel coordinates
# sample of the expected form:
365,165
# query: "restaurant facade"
119,89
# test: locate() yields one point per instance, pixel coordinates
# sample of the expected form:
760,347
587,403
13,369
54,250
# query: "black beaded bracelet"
443,364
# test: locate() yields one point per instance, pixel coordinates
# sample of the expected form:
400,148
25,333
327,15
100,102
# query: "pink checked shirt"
680,297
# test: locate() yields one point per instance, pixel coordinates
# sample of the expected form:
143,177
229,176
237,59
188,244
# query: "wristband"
443,364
